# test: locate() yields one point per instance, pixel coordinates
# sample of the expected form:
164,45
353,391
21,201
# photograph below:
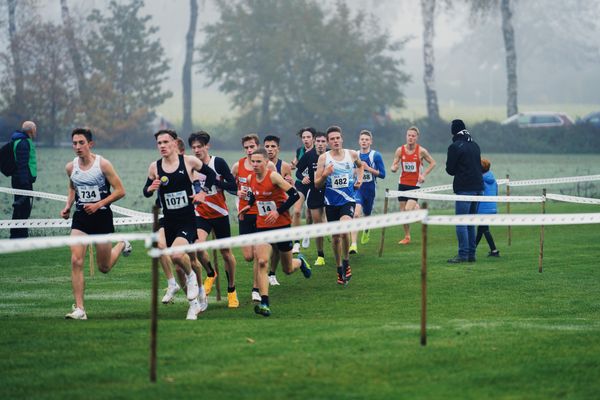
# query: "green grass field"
497,328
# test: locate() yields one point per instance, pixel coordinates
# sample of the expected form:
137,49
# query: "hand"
357,184
328,170
421,178
65,213
198,197
289,179
243,212
272,217
306,180
91,208
154,186
369,169
394,168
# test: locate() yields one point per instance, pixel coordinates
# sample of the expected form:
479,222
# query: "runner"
410,157
307,135
271,145
90,180
335,171
365,196
213,214
273,197
170,175
315,199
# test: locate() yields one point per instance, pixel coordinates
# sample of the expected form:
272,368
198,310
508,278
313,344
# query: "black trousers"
21,210
484,230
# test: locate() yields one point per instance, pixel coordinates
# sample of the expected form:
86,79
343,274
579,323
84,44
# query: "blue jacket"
23,177
490,188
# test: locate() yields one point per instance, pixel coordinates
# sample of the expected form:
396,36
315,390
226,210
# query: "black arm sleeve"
228,183
210,175
146,186
301,166
293,197
251,198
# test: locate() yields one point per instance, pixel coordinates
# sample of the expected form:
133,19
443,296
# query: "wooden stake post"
385,210
541,259
154,303
91,254
216,268
424,281
508,209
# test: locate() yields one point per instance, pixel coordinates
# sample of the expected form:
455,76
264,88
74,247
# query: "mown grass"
496,328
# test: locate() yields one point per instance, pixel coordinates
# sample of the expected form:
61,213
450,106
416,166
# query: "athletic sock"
227,275
231,289
171,282
255,289
264,300
345,263
340,271
271,273
211,271
321,253
295,241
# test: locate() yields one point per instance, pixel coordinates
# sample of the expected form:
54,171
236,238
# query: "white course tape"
442,188
553,181
454,197
58,197
572,199
65,223
39,243
307,231
514,219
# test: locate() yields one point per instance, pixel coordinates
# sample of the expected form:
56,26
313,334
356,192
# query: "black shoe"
494,253
456,260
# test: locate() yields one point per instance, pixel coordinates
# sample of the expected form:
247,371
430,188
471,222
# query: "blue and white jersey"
339,187
374,160
90,185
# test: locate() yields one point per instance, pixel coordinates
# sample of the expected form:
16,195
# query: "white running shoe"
305,243
273,280
255,296
192,286
296,248
127,248
194,310
203,300
77,313
170,293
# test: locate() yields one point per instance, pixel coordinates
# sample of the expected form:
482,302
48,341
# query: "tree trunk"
428,13
265,109
14,48
511,58
74,53
186,78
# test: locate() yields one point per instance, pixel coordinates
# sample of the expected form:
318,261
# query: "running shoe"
296,248
305,266
273,280
203,300
406,240
365,237
77,313
232,300
305,243
209,281
320,261
127,248
353,249
494,253
262,309
255,296
170,292
340,279
194,310
348,273
192,286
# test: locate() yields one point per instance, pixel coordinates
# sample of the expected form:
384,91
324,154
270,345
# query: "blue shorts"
366,200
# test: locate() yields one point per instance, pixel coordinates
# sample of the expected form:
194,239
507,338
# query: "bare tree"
14,48
186,78
428,13
72,43
511,58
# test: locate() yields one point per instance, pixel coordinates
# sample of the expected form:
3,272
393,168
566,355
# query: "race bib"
305,172
340,181
176,200
209,191
409,166
265,207
245,189
88,194
367,176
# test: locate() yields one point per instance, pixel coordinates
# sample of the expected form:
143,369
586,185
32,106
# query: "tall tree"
68,26
127,69
186,78
428,15
508,32
285,64
15,52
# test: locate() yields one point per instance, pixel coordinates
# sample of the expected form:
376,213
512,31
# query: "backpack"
8,164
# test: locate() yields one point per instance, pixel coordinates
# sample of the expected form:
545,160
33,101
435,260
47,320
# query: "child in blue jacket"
490,188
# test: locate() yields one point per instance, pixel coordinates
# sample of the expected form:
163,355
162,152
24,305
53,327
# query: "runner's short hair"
83,131
310,129
251,136
200,136
414,128
365,132
262,152
271,138
169,132
333,128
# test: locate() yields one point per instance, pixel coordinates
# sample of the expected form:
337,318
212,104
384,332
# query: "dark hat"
457,126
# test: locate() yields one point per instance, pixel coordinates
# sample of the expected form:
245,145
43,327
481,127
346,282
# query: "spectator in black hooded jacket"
25,174
464,163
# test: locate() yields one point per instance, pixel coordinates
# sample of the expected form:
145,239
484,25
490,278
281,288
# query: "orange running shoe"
406,240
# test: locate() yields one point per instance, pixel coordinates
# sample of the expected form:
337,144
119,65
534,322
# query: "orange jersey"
242,183
215,205
269,197
410,165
